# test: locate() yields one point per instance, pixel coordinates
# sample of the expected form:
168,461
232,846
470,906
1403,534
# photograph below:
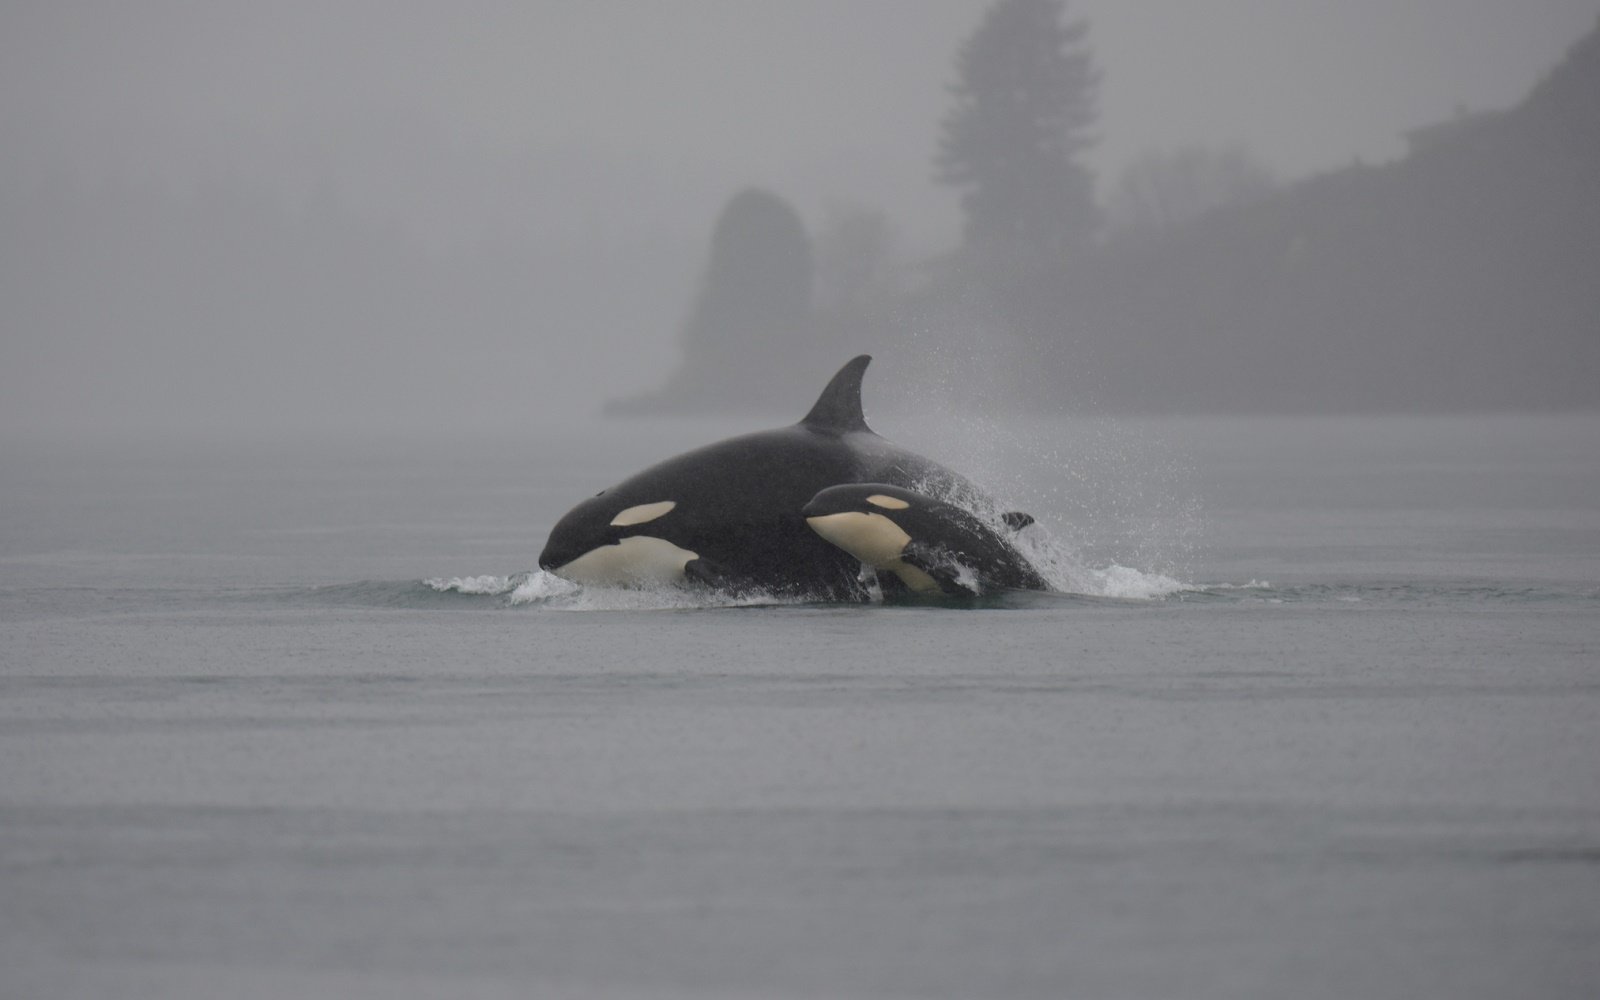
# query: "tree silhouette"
757,287
1025,106
750,327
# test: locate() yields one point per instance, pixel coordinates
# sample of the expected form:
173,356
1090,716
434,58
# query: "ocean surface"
1316,715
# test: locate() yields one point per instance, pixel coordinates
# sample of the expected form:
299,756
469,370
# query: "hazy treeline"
1463,276
1460,277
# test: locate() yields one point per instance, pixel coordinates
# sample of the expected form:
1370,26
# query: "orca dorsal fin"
839,406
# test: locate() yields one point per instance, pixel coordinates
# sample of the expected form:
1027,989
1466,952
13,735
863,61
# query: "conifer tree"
1025,105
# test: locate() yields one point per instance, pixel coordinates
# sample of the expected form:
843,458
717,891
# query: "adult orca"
729,514
932,546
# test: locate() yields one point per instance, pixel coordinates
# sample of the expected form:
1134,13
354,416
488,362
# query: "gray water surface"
1321,720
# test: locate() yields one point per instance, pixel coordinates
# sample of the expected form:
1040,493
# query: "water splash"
542,589
1067,571
1061,563
1117,508
489,586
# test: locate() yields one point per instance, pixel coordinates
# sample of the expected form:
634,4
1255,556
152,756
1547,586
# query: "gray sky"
824,100
614,130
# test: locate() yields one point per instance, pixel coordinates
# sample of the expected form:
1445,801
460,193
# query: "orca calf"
729,514
931,546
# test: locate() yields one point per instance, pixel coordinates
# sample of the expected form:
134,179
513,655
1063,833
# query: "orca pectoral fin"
889,586
709,574
1016,520
954,579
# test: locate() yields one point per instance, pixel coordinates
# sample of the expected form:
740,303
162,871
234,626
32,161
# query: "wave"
1398,593
546,590
538,590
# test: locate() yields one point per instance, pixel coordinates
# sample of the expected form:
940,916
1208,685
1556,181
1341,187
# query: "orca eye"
642,513
887,502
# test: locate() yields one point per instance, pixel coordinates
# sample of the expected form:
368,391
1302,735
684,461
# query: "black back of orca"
736,504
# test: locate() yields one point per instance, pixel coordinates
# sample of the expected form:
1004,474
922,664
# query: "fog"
1235,638
254,218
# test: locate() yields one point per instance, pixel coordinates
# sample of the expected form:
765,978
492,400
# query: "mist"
250,219
452,532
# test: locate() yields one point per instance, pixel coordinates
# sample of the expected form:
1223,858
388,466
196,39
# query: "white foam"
550,591
967,577
1127,582
539,587
1069,574
485,585
547,590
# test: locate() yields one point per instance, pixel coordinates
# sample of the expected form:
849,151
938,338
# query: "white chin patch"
872,538
876,541
637,561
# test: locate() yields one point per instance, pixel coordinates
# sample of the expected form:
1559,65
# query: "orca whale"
729,514
931,546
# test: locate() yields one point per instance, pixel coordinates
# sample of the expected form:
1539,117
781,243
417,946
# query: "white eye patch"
887,502
643,513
